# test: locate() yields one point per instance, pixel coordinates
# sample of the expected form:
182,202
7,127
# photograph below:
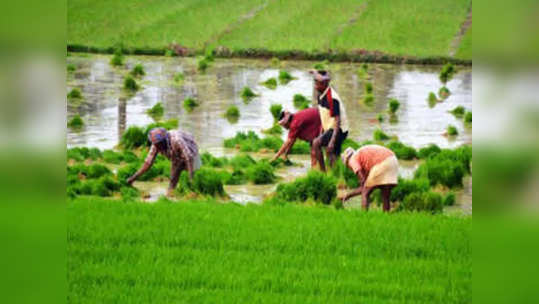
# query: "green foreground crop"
206,252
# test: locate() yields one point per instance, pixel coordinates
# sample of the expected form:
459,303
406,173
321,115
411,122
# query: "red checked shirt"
305,125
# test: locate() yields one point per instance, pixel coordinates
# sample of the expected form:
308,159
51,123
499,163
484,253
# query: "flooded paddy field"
107,111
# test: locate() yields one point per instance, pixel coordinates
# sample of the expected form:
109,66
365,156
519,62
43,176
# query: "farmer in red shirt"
375,167
304,124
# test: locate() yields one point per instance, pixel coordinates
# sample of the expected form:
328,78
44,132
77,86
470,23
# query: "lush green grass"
292,25
465,48
403,27
223,253
156,24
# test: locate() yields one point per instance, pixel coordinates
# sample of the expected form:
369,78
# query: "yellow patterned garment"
330,106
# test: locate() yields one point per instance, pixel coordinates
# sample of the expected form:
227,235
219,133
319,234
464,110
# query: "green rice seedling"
275,110
71,68
129,193
205,181
462,155
402,151
112,157
208,56
261,173
237,177
138,71
74,94
167,124
169,53
247,94
232,114
449,199
74,154
275,62
276,129
133,137
380,117
316,186
368,88
75,122
447,73
468,117
129,157
203,65
344,175
118,58
444,92
285,77
407,186
301,147
272,143
441,170
239,138
379,135
157,111
432,99
189,104
241,161
178,77
422,201
394,105
212,161
271,83
368,100
321,66
130,84
97,170
458,111
301,102
428,151
349,143
82,153
127,171
363,70
279,163
452,130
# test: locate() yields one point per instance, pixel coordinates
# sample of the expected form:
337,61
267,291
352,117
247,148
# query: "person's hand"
344,198
170,193
130,181
274,158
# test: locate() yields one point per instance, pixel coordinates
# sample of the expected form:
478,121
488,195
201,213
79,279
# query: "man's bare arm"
336,129
148,162
285,148
358,190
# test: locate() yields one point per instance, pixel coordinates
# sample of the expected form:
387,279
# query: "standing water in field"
107,110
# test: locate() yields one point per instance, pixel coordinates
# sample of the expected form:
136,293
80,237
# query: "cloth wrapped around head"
320,75
157,135
346,155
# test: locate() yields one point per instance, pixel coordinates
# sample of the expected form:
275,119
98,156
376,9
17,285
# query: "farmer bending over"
179,147
375,167
333,119
304,124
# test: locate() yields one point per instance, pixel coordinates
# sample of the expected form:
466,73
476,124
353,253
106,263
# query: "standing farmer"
375,167
179,147
304,124
333,119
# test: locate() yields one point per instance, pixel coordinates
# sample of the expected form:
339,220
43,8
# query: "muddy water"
107,110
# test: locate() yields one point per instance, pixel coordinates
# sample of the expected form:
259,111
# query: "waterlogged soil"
108,110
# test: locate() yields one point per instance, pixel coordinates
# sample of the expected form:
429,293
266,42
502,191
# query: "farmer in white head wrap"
375,167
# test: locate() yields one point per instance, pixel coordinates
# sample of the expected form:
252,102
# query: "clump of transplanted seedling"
446,168
138,71
261,173
428,151
316,186
71,68
446,74
203,65
178,77
458,111
379,135
393,105
208,56
74,94
275,62
321,66
247,94
167,124
205,182
189,104
468,118
363,70
133,137
169,53
117,58
232,114
301,102
157,111
276,110
402,151
75,122
285,77
368,100
449,199
130,84
432,99
452,130
380,117
271,83
422,201
368,87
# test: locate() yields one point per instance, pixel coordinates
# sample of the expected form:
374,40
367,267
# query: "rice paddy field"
206,252
420,28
